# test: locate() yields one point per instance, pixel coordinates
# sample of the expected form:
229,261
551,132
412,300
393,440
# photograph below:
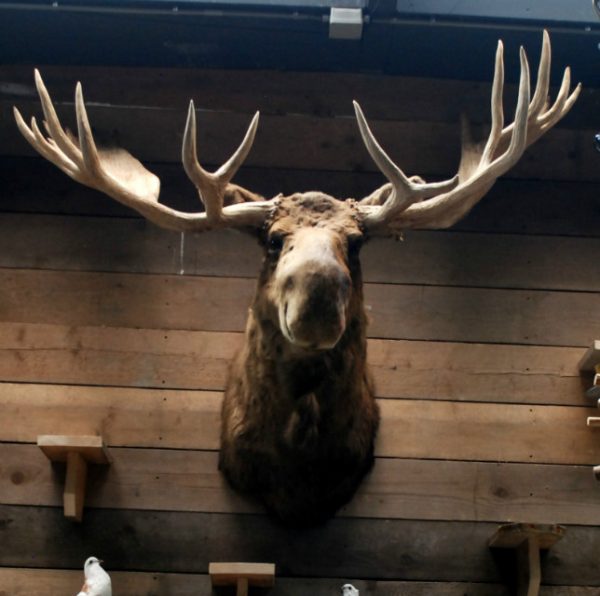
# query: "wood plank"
480,315
512,206
430,258
175,480
32,582
220,304
41,353
187,542
410,428
132,417
418,429
57,582
277,92
310,143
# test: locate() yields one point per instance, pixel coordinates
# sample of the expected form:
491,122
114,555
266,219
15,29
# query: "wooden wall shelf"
527,540
242,575
76,452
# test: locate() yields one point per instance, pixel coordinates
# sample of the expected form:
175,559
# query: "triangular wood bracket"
527,540
242,575
76,452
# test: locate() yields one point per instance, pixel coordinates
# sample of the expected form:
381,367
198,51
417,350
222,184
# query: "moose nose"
314,307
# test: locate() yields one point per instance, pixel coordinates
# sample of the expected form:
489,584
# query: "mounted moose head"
299,416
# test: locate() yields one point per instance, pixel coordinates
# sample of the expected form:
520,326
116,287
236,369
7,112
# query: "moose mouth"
316,334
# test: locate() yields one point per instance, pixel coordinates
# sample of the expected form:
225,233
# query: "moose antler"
410,203
401,204
118,174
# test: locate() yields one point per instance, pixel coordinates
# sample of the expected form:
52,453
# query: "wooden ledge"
57,447
527,540
77,452
513,535
242,575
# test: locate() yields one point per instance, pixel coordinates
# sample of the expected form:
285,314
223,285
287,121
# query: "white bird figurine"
349,590
97,581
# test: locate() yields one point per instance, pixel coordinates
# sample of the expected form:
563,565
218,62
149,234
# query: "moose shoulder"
299,417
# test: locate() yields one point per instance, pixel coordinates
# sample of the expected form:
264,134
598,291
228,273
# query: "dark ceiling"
439,38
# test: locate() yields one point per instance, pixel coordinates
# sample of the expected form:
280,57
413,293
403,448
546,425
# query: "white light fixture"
345,23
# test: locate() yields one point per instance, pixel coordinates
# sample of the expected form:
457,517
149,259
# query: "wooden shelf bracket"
527,540
590,363
591,358
242,575
76,452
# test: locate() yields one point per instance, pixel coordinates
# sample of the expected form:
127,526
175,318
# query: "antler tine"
555,112
211,186
405,191
497,109
189,155
89,152
542,117
228,170
518,140
36,139
540,95
55,130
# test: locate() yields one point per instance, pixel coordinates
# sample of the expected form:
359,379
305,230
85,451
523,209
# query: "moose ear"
235,194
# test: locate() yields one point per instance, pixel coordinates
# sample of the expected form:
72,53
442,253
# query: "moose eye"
274,244
354,245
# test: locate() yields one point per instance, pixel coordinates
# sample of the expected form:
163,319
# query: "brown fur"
299,423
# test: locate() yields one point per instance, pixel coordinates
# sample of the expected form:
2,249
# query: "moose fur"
299,423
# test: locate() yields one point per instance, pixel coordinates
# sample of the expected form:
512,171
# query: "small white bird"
349,590
97,581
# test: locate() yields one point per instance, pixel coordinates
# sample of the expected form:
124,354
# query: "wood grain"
385,97
512,206
57,582
410,428
153,358
187,542
429,258
220,304
306,142
477,330
175,480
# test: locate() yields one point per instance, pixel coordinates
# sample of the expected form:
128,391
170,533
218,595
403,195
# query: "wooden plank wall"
109,325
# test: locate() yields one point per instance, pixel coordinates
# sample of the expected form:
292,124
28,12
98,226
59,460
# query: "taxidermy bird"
349,590
97,581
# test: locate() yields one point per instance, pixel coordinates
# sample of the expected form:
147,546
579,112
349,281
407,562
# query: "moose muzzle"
314,290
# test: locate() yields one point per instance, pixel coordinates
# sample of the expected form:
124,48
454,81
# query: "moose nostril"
288,284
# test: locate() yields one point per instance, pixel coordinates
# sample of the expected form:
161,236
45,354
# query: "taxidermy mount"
299,416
